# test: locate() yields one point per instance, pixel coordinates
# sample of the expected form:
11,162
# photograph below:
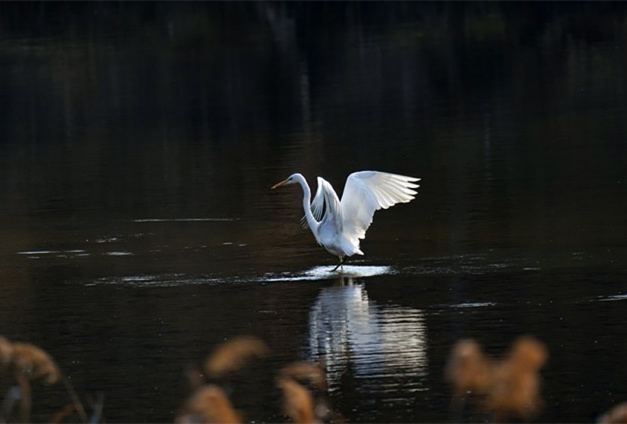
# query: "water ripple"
381,345
612,298
319,273
186,220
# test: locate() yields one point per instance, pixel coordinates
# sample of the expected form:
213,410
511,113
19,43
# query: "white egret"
339,225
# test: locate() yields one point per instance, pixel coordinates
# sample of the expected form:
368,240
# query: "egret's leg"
342,262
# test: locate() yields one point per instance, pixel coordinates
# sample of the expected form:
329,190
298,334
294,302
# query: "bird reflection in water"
382,346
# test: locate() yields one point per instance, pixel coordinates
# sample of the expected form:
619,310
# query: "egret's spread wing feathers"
332,206
317,206
368,191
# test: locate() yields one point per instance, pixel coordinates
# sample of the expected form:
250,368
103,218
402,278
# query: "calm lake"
138,230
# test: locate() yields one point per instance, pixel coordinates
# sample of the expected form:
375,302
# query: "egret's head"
290,180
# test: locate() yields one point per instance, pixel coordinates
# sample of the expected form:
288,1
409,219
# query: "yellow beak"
279,184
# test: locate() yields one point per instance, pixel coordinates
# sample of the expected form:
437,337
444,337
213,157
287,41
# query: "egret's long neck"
313,224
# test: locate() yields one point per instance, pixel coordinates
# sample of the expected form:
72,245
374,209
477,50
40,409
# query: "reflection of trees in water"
134,109
384,347
231,69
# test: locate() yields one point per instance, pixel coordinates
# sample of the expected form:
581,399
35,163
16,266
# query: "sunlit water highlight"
327,273
318,273
613,298
384,347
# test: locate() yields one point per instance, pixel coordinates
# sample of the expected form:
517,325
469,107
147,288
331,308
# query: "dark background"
138,142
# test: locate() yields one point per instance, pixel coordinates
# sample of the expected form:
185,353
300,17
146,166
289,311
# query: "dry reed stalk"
468,370
509,388
306,371
32,362
515,391
297,401
314,378
26,396
211,405
233,355
195,378
528,353
616,415
6,351
62,413
78,405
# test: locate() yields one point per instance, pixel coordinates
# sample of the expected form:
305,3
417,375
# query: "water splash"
327,273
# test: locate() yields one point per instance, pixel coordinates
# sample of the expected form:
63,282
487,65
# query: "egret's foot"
340,264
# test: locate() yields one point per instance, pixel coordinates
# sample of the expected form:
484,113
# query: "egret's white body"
338,225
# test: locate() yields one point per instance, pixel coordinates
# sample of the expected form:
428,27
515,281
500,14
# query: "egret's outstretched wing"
368,191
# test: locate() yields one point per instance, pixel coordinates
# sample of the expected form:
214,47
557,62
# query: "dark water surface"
138,231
